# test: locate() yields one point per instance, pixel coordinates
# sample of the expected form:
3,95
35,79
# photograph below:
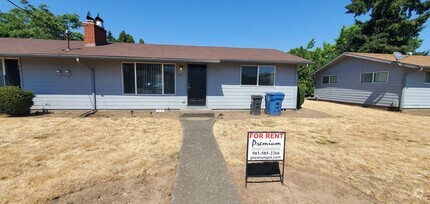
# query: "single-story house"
376,80
94,74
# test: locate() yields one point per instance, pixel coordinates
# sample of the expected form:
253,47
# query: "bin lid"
256,96
275,94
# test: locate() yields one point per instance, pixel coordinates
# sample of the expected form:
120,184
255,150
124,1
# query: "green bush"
300,97
15,101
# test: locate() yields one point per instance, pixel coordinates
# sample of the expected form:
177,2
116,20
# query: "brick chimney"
94,35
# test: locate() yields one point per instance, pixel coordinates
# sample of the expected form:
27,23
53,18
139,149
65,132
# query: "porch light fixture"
67,71
180,68
59,71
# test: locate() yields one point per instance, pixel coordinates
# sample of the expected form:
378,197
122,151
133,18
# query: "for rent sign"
266,146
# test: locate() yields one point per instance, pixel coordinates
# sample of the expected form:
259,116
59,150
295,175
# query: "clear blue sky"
280,24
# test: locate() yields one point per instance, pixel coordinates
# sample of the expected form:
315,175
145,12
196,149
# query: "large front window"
261,75
148,78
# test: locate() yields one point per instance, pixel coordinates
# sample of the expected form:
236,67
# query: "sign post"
263,147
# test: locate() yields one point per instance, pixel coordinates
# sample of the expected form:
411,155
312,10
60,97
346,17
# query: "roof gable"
411,61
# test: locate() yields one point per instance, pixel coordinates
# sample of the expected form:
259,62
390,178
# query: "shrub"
15,101
300,97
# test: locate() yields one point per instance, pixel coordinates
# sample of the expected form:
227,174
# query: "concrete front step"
197,112
205,114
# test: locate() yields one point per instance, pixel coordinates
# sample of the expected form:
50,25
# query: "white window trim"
4,70
329,82
373,77
427,72
135,78
258,75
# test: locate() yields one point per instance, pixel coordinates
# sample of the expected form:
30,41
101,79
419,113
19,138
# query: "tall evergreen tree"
110,38
394,25
124,37
38,22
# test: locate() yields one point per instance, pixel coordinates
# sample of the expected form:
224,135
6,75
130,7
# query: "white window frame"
373,77
258,74
4,70
329,81
425,82
135,78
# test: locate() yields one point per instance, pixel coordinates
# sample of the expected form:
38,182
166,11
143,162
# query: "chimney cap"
89,18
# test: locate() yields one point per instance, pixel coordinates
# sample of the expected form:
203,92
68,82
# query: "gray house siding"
350,89
225,91
75,91
417,92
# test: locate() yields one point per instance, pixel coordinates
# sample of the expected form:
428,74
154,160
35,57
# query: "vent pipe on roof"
68,39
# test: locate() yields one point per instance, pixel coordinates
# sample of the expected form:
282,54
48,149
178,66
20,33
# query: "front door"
196,85
12,75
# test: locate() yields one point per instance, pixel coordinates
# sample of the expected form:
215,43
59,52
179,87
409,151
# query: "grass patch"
50,157
367,148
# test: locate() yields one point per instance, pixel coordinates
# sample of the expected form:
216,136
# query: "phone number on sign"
271,153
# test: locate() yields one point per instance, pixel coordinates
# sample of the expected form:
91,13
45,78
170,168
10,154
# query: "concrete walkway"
202,176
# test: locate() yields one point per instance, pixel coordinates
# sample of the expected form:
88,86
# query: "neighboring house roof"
58,48
410,61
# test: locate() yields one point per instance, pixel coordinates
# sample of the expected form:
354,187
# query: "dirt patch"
154,189
301,113
173,114
384,154
418,112
43,158
300,186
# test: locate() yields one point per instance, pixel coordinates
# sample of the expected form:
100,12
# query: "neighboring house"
375,79
144,76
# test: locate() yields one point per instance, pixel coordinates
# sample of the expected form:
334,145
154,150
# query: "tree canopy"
110,38
320,56
141,41
394,25
124,37
38,22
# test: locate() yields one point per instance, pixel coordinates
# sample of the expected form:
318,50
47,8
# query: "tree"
320,56
345,39
394,25
110,38
141,41
38,22
124,37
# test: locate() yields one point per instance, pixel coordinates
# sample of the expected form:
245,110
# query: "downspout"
403,91
94,81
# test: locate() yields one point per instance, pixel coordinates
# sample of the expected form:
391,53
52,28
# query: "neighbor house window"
148,78
329,79
427,80
258,75
374,77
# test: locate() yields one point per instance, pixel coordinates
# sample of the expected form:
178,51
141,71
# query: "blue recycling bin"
274,102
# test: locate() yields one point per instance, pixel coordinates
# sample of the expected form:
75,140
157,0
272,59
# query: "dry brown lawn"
384,154
46,158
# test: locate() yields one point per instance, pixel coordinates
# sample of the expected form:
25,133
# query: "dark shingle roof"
411,61
57,48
